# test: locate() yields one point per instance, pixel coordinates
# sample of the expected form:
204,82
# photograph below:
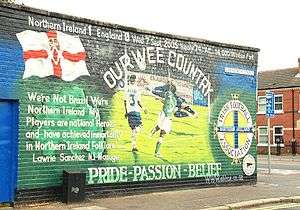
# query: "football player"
133,106
164,121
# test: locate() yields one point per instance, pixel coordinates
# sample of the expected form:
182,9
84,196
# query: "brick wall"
284,119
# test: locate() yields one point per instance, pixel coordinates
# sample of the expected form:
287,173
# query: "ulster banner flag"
52,53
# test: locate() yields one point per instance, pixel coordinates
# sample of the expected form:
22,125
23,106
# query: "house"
285,125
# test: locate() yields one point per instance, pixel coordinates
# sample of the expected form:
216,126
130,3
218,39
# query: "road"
285,173
288,163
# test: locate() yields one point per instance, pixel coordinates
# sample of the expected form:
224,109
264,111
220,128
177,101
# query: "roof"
281,78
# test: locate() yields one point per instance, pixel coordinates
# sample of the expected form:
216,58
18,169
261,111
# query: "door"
8,149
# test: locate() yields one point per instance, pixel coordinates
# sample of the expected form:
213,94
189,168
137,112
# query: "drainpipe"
293,114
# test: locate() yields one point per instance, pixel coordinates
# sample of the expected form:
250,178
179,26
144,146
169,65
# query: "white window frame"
278,111
260,112
258,134
275,111
278,126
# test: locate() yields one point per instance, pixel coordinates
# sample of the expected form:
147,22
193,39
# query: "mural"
128,107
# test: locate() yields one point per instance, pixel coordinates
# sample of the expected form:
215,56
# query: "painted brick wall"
75,120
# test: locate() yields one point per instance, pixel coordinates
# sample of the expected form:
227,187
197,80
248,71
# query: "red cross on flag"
52,53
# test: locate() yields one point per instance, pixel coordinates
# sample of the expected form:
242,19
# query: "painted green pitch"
187,142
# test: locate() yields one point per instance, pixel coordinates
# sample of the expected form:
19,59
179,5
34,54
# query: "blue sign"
270,104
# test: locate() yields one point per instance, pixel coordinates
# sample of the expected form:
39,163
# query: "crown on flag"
235,96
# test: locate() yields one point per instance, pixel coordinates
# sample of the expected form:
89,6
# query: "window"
278,103
262,104
277,133
263,135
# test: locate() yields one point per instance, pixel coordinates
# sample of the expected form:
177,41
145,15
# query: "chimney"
299,63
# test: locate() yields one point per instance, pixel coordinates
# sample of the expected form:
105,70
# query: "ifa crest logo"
234,129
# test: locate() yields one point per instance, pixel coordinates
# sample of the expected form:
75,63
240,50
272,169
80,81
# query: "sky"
270,25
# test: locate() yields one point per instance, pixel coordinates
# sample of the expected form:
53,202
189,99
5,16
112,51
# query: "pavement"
281,187
286,158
